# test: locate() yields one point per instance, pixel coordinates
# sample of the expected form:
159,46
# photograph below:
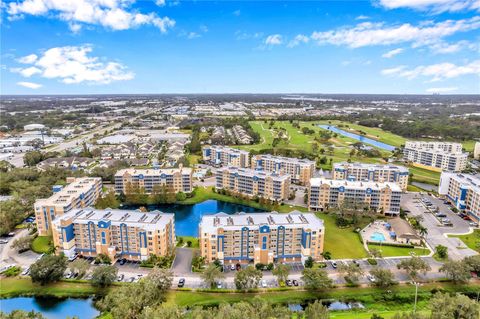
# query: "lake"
360,138
51,307
187,217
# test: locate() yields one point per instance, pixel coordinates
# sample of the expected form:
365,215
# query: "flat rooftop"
372,167
147,220
251,173
467,180
153,171
286,159
295,219
226,149
355,184
70,192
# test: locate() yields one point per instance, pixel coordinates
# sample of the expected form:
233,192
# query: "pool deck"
377,226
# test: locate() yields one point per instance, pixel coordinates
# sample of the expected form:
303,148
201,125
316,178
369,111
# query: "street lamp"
416,294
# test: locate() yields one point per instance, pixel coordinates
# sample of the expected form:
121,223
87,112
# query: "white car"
264,283
371,278
232,267
219,285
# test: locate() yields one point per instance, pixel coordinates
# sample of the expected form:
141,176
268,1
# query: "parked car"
219,285
3,241
356,262
132,279
288,282
181,282
473,224
120,277
26,271
466,218
441,215
122,261
72,258
447,222
263,283
334,264
295,282
371,278
232,267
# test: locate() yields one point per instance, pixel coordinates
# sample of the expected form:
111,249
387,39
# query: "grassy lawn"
471,240
391,251
42,244
413,188
423,175
341,242
193,159
194,241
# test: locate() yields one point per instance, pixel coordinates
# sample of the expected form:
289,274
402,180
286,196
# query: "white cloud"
237,13
436,72
273,39
300,38
112,14
203,28
445,48
441,90
29,59
369,34
392,53
72,64
193,35
160,3
435,6
30,85
362,17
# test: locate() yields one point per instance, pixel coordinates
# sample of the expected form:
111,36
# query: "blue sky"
127,46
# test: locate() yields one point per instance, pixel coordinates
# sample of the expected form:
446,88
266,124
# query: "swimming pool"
376,236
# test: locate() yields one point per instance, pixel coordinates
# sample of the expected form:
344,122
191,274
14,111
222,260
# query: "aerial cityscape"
240,159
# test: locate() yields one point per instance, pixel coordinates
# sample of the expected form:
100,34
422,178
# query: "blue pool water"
187,217
360,138
377,237
52,308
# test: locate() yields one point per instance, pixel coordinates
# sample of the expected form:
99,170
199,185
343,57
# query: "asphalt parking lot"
437,232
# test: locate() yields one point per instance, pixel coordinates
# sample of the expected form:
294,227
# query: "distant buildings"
34,127
219,155
371,172
300,170
261,237
241,135
381,197
463,191
80,192
116,233
253,183
174,179
72,163
442,155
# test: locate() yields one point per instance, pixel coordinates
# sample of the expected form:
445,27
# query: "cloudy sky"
177,46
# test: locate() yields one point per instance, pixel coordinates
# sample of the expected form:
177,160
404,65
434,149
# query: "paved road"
183,261
11,256
437,233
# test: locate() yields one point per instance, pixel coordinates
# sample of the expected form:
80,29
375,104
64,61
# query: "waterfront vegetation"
187,241
392,251
471,240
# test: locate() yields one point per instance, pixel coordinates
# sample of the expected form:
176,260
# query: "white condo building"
443,155
463,191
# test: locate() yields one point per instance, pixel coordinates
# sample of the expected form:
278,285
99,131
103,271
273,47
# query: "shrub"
12,271
372,261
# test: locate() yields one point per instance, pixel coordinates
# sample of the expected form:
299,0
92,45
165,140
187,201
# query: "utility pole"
416,294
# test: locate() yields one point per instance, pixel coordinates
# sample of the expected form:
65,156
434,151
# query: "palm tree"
211,275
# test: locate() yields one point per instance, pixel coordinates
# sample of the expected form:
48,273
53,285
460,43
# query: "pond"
51,307
187,217
360,138
332,305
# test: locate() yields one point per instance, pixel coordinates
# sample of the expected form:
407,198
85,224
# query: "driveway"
437,233
10,255
182,264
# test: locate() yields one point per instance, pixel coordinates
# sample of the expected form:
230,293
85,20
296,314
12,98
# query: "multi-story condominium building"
463,191
442,155
219,155
381,197
80,192
476,151
300,170
129,234
175,179
252,183
371,172
261,237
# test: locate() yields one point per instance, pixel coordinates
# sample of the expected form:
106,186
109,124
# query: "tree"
457,271
180,196
309,262
108,201
33,158
453,306
281,271
21,314
316,279
413,266
384,278
473,262
375,252
211,275
104,275
158,282
352,272
49,268
79,266
247,278
22,244
316,310
441,251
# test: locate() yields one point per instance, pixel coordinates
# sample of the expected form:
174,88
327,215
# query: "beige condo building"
253,183
463,191
80,192
372,172
261,237
381,197
133,235
220,155
300,170
175,179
